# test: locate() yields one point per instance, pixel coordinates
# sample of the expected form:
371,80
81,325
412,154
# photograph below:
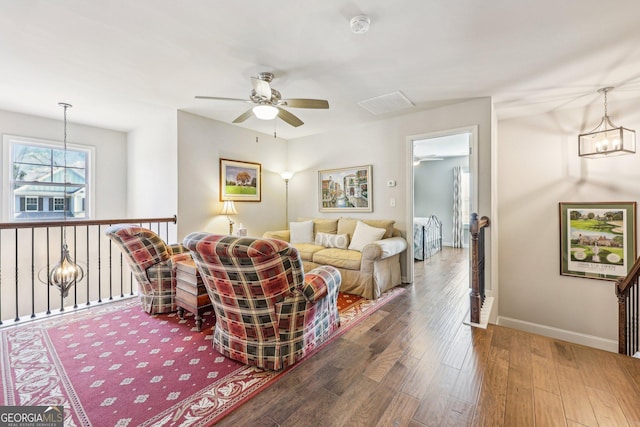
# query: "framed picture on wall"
597,240
240,181
345,190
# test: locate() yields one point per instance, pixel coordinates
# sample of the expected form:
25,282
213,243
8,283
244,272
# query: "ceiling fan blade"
305,103
289,118
262,88
244,116
222,99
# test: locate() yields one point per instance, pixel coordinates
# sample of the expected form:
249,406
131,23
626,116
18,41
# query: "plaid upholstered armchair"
269,313
153,264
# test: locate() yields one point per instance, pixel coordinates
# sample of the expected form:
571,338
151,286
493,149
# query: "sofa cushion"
339,241
306,250
321,225
301,232
363,235
340,258
348,226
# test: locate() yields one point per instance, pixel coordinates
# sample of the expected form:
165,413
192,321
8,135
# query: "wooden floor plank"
548,409
572,389
490,409
606,408
414,363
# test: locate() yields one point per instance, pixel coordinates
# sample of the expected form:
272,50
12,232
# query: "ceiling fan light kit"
265,112
606,139
268,102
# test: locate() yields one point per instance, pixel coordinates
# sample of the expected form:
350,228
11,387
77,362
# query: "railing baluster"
88,276
33,275
110,270
99,269
1,317
75,258
17,286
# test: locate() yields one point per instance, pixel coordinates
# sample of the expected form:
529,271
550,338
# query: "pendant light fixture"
66,272
606,139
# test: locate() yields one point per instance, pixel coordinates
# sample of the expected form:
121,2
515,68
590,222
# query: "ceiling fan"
268,102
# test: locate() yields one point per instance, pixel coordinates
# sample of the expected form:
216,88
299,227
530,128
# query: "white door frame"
473,174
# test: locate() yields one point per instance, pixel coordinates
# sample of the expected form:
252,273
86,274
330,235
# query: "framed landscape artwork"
597,240
240,181
345,190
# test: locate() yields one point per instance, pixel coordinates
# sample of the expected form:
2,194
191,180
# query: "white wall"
540,167
110,146
201,144
384,144
152,166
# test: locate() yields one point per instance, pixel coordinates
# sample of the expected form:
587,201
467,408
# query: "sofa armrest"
278,234
320,282
384,248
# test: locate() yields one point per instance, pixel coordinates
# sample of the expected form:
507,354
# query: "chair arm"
320,282
178,253
385,248
177,248
278,234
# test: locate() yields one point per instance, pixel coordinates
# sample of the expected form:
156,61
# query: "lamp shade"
265,112
286,175
228,208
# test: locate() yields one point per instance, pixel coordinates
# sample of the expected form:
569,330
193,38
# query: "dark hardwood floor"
414,363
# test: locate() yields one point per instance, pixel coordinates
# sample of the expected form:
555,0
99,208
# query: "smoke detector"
360,24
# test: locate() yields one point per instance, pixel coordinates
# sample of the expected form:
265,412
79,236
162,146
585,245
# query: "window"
58,204
38,184
30,203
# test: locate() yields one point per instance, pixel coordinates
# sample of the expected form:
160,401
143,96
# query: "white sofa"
368,267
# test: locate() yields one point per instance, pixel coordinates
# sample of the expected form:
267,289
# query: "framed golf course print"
597,240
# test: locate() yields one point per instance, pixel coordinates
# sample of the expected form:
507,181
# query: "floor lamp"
286,176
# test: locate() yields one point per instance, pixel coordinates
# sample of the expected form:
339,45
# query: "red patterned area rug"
114,365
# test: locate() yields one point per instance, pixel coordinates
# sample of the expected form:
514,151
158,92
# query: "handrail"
623,284
76,222
476,296
628,294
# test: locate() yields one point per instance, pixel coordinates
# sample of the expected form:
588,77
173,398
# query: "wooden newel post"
475,296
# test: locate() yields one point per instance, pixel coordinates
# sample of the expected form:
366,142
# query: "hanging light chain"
64,196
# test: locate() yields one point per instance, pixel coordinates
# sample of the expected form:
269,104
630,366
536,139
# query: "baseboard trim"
560,334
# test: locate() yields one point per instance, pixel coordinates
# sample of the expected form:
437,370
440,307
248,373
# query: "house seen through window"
38,177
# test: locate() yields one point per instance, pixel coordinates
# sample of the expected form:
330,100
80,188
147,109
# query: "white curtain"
458,230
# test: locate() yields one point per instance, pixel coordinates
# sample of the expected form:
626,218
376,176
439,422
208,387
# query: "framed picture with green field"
240,181
597,240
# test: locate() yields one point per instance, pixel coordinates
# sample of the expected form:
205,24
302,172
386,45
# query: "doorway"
443,169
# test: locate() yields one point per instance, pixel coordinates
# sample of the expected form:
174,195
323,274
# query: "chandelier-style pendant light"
65,273
606,139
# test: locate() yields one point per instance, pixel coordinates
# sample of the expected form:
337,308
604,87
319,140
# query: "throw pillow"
301,232
363,235
339,241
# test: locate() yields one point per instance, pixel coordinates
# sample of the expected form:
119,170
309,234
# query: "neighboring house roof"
73,177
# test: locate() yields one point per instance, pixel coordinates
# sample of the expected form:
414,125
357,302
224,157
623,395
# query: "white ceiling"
117,61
